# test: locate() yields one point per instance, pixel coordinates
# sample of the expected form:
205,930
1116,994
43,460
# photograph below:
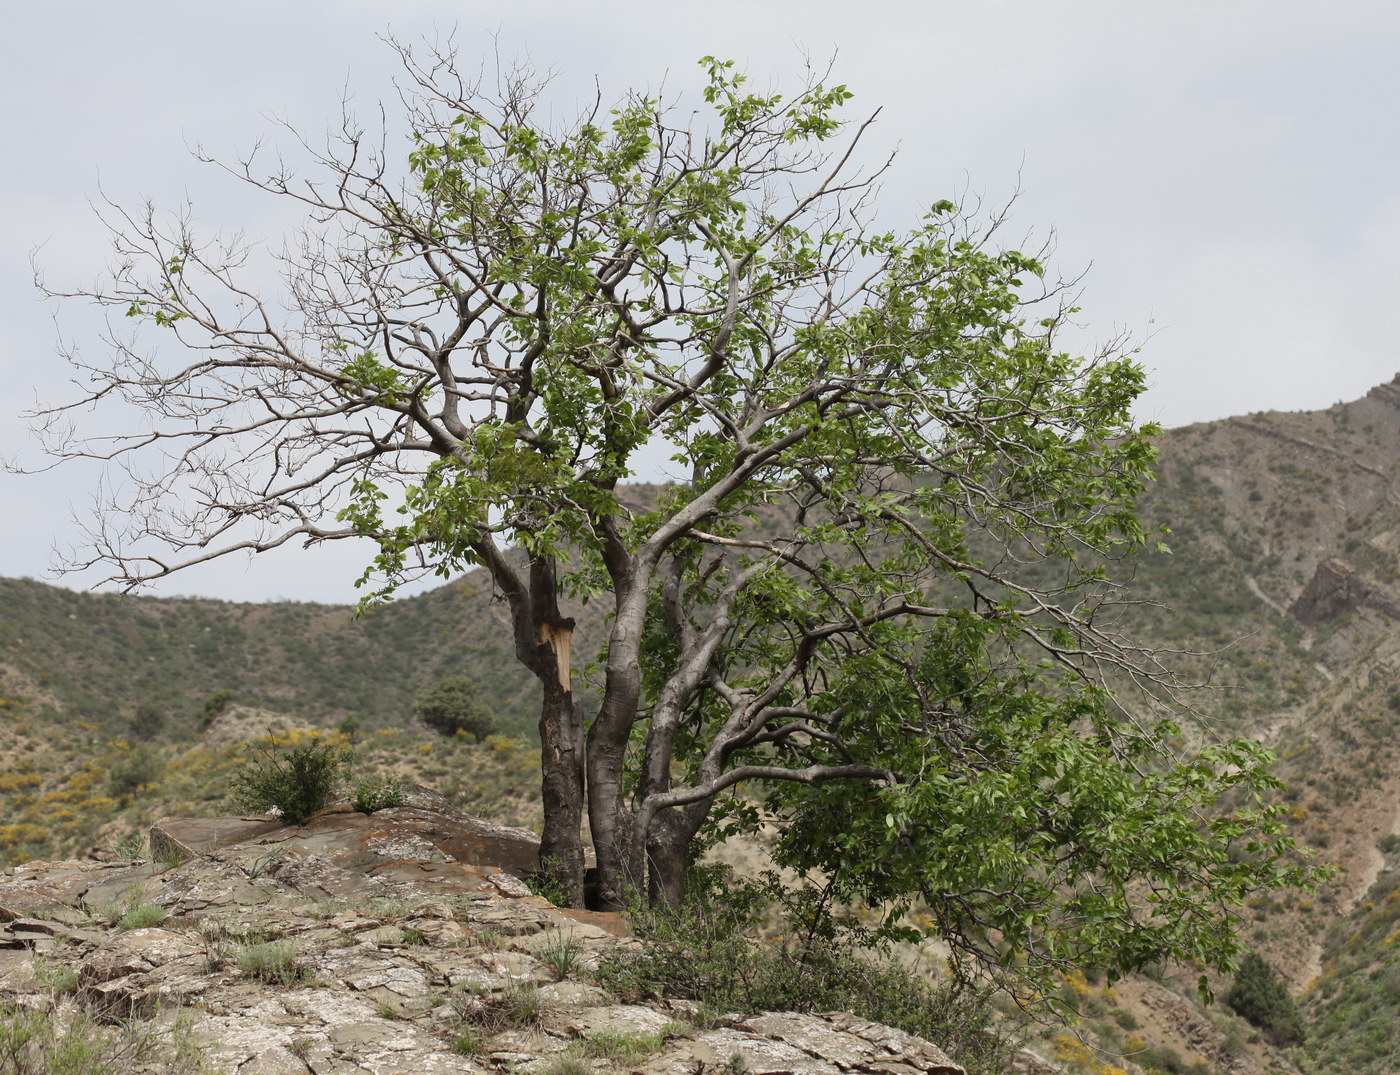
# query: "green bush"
375,795
1260,997
215,704
147,722
138,767
271,961
708,951
450,708
297,781
142,916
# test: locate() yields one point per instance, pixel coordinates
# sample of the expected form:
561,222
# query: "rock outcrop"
1336,589
403,942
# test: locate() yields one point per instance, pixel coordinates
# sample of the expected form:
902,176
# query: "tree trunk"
609,815
667,842
666,846
611,822
561,791
561,736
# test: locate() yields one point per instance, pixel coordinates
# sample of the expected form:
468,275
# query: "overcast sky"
1226,171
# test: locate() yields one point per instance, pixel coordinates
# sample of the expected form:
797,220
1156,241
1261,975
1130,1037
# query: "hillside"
1282,592
102,657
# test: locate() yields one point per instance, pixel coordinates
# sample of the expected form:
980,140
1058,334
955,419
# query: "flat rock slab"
427,828
185,837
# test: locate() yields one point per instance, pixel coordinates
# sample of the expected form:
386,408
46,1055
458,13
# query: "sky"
1224,173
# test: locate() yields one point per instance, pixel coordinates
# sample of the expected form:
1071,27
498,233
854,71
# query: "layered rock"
381,942
1336,589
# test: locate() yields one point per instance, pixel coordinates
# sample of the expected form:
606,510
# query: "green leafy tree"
133,770
450,706
1259,995
881,590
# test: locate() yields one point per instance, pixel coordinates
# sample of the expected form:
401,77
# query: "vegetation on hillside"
108,658
67,788
1353,1008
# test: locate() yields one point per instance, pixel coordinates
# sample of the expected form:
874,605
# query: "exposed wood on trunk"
558,637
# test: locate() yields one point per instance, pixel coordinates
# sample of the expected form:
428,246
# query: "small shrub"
372,796
57,979
35,1041
142,916
628,1046
110,912
518,1006
297,781
132,846
217,940
544,884
388,910
171,856
467,1042
522,1006
264,862
272,961
561,952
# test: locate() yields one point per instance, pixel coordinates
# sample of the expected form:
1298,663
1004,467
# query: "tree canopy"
450,707
874,608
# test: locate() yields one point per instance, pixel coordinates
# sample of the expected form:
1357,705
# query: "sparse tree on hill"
450,707
878,594
147,722
1259,995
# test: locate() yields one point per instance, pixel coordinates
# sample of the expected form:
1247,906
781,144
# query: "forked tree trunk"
667,846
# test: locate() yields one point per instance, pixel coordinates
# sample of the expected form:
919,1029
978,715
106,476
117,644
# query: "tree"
147,722
882,593
1259,995
450,706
